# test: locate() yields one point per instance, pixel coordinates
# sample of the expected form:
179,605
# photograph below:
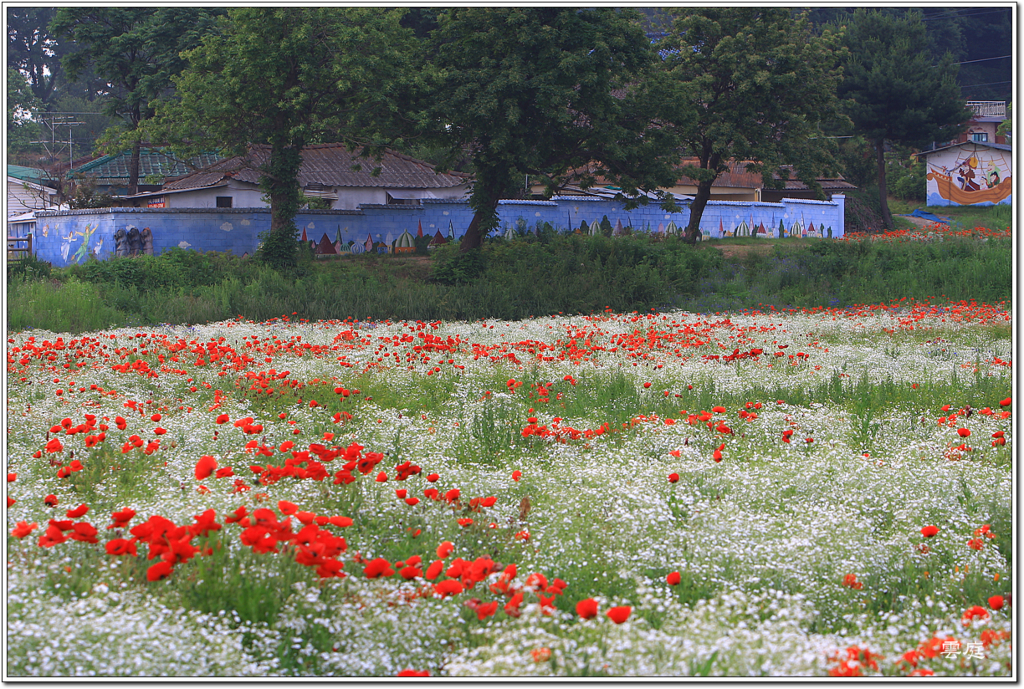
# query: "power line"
967,62
991,83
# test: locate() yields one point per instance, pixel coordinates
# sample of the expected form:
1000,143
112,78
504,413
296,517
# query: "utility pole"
56,146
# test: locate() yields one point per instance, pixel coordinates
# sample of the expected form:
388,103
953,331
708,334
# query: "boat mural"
948,189
976,175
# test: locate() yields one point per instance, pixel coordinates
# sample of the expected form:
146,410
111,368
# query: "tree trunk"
474,236
883,194
133,169
700,201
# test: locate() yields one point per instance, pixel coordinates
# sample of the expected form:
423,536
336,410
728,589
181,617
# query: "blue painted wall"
65,237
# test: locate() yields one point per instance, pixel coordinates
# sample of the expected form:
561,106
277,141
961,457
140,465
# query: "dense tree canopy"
288,77
137,51
763,86
543,92
893,91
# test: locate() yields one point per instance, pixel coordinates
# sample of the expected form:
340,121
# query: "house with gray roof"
156,165
329,171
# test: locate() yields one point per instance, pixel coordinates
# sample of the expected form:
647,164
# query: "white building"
328,171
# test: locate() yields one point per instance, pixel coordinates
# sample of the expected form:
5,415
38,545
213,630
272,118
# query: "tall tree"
21,104
894,92
33,50
283,78
137,50
763,85
543,92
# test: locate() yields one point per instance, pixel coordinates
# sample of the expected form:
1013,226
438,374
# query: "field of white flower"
812,493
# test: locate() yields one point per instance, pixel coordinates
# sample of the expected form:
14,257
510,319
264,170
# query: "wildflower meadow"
798,492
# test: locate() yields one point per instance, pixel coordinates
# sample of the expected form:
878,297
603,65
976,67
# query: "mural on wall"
201,230
979,176
83,251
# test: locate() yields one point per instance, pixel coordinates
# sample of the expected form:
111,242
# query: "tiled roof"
737,175
330,165
27,174
152,161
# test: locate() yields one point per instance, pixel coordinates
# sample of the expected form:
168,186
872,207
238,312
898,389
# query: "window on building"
980,136
223,202
402,200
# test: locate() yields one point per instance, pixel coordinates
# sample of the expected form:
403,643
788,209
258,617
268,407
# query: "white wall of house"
26,196
244,195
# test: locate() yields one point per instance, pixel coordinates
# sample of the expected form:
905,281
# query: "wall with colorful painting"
66,237
967,174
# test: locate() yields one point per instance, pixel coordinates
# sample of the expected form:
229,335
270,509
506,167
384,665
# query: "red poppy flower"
121,546
963,432
673,478
448,587
22,529
12,477
159,431
378,567
673,578
620,614
54,445
287,507
341,522
516,475
445,549
159,571
1007,402
77,512
512,607
718,409
414,673
50,500
974,612
382,477
205,466
929,531
587,608
976,544
435,568
432,478
995,602
850,581
486,610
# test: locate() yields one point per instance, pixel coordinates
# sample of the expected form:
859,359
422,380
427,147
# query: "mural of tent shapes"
337,241
672,229
661,228
419,228
357,247
437,241
830,232
782,229
595,228
368,244
510,233
405,244
381,248
618,228
742,230
303,235
796,229
451,231
721,228
343,248
389,239
325,246
761,231
810,230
